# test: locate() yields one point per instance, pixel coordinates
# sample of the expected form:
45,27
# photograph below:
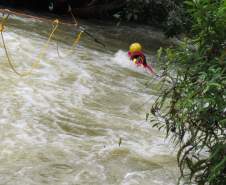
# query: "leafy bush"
168,14
192,107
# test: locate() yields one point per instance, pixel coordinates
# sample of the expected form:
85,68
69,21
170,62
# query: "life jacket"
141,60
139,56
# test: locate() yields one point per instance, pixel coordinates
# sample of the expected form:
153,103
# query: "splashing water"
122,60
62,124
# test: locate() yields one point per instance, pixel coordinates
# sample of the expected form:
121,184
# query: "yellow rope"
39,56
77,38
71,50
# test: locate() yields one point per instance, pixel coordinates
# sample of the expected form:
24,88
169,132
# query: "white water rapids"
62,124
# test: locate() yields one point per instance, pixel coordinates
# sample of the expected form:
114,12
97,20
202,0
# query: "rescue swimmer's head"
135,47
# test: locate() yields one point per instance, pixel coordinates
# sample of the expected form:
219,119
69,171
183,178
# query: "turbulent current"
63,124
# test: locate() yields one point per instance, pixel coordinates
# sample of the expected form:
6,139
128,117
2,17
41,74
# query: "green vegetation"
192,108
167,14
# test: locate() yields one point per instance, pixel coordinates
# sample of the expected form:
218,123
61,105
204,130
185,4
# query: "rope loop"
39,56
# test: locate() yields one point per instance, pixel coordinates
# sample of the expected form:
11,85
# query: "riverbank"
36,14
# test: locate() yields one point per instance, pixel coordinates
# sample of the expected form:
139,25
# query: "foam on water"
122,59
62,124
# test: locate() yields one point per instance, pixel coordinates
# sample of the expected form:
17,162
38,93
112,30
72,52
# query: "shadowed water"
62,124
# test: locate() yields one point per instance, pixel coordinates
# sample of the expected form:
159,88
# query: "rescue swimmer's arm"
135,61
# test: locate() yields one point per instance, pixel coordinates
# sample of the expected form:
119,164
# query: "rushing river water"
62,124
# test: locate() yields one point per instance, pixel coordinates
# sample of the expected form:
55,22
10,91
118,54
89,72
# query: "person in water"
137,56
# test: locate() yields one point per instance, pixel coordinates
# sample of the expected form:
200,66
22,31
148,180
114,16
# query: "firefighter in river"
137,57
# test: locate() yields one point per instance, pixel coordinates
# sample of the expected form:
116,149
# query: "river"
62,125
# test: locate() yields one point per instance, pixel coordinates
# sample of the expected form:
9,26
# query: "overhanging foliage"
192,107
